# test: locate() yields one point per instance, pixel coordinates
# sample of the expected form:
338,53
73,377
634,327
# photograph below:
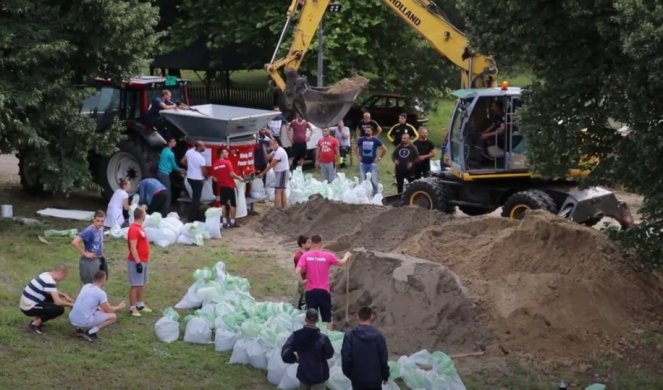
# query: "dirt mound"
545,286
424,298
353,83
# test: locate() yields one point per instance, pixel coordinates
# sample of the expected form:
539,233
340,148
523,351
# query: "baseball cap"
312,315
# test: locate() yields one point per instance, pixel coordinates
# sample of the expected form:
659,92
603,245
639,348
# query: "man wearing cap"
311,349
315,264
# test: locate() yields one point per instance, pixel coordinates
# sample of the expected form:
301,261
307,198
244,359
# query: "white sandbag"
197,331
239,355
213,222
117,232
270,191
190,299
257,355
377,199
165,237
257,189
241,210
289,380
275,366
224,340
270,179
152,233
153,220
167,329
172,223
337,380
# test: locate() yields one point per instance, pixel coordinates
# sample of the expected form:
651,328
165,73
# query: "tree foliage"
365,38
597,65
47,48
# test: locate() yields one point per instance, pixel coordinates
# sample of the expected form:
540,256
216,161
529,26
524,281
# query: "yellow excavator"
325,106
479,178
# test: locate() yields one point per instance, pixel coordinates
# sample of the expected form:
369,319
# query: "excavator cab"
479,110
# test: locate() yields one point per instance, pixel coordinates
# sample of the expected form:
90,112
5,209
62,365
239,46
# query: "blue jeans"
373,169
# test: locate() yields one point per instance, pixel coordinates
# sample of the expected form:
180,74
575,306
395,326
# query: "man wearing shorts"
137,264
304,244
91,311
278,161
224,175
299,132
316,263
92,249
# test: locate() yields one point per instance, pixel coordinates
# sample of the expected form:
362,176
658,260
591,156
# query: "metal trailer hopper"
217,123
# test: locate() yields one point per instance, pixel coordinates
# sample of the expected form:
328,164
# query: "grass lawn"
128,355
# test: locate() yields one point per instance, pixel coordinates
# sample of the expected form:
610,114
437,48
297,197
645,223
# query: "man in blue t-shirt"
159,103
367,154
92,249
153,194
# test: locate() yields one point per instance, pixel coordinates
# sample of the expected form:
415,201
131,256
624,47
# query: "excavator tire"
518,204
429,193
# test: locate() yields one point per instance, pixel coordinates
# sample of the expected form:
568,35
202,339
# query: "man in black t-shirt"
367,123
404,156
426,150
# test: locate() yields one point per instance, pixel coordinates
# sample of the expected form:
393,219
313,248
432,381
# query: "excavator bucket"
323,107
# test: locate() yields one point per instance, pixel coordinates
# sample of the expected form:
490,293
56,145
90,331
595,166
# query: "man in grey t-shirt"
91,311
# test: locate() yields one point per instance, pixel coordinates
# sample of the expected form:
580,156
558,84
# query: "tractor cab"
484,137
129,101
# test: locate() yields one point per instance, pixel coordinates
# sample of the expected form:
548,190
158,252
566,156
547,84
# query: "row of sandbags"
169,230
226,315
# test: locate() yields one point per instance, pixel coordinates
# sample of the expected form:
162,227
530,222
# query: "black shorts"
227,196
299,150
320,300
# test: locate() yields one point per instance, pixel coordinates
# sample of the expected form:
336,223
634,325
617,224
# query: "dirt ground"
542,290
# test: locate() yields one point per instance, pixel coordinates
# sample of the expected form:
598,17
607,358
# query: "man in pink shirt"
316,263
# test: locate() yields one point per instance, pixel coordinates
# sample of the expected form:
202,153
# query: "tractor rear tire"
519,203
30,179
134,160
429,193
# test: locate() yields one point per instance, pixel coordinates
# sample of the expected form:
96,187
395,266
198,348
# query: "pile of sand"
422,305
544,286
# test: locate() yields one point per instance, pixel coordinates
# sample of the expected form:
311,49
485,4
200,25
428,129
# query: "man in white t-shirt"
278,161
91,311
195,175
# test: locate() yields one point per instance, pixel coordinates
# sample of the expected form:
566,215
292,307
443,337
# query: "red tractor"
137,156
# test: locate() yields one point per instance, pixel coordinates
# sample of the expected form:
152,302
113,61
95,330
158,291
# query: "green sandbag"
61,233
442,364
171,313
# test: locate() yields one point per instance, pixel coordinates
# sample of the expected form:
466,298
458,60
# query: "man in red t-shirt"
137,263
223,174
299,133
304,244
328,152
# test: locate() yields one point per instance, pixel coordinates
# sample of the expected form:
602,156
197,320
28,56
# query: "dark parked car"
385,108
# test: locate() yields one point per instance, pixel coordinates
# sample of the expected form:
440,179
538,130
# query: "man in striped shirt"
42,300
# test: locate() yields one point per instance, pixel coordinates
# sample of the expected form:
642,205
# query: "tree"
365,37
597,67
47,48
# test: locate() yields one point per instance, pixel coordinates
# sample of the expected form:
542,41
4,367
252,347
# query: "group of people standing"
91,311
364,353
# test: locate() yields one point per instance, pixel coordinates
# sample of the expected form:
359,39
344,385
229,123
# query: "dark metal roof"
198,56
